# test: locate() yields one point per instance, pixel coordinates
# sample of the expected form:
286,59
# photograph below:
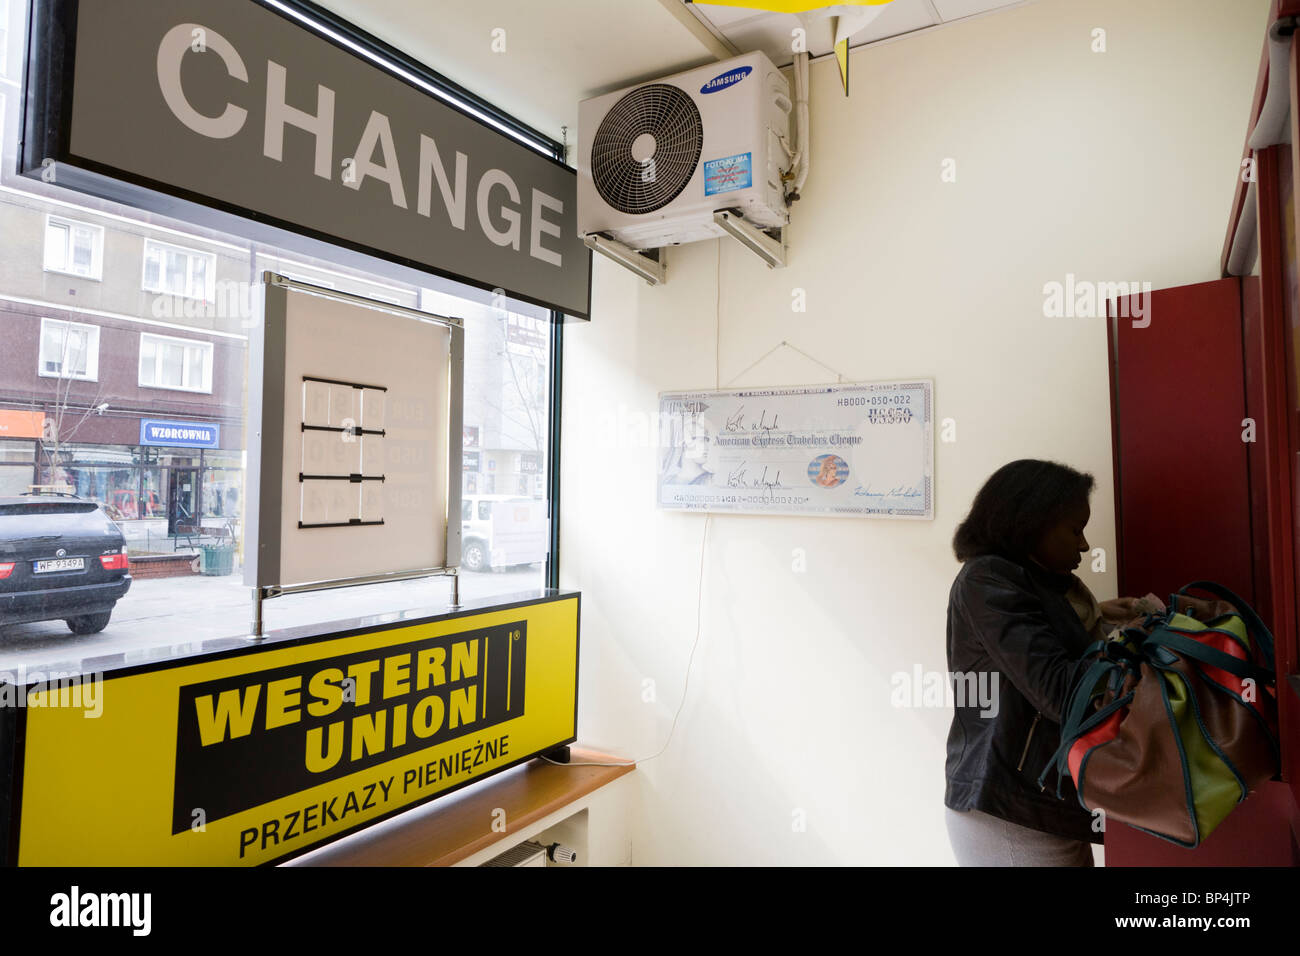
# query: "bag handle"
1076,702
1074,719
1189,647
1070,735
1258,630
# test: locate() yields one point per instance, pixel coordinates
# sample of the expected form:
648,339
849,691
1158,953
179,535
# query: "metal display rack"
267,413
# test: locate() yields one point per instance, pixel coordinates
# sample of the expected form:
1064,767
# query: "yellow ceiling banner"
847,18
794,6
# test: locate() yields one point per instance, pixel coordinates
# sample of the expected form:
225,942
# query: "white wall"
1114,166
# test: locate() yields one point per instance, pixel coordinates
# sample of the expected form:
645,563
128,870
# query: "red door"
1188,470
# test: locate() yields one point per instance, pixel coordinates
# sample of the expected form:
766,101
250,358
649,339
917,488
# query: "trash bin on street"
217,560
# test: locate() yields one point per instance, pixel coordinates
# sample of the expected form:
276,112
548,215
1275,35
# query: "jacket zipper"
1025,752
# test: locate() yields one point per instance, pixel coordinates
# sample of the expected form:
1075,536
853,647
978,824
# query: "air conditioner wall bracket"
651,268
770,249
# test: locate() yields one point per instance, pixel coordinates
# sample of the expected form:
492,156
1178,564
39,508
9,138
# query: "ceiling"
560,52
750,30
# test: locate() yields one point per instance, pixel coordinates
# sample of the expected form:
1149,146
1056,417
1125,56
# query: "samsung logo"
724,80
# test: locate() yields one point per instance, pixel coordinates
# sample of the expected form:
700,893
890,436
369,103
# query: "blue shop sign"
179,434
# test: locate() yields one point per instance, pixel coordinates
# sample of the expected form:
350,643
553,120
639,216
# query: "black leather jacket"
1014,623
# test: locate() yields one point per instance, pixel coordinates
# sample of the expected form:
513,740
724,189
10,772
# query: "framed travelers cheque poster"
860,450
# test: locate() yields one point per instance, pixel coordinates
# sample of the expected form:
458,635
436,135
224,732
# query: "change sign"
234,106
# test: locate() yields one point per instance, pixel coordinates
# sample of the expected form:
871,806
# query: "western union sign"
262,754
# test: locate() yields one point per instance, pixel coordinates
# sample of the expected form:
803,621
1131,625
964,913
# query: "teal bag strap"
1262,635
1074,723
1061,758
1163,637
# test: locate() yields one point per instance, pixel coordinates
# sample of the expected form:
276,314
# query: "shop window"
152,490
223,486
16,479
17,467
4,37
76,248
182,364
69,350
175,270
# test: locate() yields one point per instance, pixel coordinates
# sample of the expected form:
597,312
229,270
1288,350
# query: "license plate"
61,564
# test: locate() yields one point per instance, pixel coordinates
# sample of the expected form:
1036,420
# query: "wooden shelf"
459,825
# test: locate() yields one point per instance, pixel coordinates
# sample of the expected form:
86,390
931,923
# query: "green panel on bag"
1215,789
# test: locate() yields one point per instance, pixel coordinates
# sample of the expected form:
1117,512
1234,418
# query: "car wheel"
88,623
473,557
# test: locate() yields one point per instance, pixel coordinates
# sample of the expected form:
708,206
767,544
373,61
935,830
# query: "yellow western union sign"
258,756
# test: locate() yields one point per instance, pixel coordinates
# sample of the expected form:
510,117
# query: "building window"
69,350
182,364
174,270
74,247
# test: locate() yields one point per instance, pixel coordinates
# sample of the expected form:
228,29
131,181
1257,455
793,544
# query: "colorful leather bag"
1169,725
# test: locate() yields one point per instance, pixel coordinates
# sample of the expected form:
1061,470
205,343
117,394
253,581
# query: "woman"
1018,612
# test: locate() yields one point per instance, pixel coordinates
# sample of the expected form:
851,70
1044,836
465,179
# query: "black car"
61,558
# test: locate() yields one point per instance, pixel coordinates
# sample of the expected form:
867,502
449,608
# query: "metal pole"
257,614
455,588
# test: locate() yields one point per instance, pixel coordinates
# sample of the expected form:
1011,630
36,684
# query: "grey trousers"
980,839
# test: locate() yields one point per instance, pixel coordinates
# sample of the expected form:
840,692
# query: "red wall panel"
1182,492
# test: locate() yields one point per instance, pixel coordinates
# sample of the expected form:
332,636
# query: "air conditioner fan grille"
638,186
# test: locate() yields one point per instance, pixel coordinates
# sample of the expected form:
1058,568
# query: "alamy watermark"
38,688
230,300
946,689
1082,298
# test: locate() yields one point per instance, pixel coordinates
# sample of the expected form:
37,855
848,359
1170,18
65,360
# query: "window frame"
210,284
551,463
92,352
5,38
96,249
207,363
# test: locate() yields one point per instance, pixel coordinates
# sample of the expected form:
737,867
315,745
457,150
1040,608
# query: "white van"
500,531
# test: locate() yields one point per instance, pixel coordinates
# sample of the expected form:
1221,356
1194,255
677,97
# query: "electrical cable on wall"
699,606
699,590
703,544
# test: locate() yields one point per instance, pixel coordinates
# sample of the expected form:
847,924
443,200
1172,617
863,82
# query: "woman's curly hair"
1017,504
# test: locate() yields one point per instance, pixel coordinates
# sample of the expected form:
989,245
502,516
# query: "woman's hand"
1118,610
1125,610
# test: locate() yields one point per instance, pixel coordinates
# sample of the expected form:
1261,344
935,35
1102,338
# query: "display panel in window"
174,270
69,350
183,364
75,248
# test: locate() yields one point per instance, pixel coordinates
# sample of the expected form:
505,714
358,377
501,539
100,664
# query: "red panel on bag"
1102,734
1229,645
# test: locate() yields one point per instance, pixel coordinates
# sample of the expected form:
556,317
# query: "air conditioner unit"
657,160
